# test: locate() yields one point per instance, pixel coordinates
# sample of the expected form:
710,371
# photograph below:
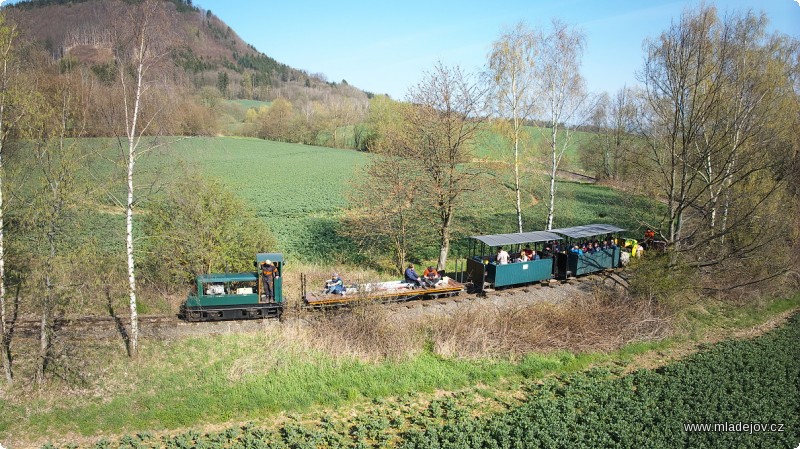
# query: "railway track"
170,326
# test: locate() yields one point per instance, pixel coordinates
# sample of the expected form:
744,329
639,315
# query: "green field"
300,192
534,153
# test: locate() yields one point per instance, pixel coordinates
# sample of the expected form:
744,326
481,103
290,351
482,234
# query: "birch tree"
562,95
138,55
717,120
511,68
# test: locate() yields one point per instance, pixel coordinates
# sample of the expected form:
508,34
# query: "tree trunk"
45,337
134,335
444,247
516,174
43,345
4,334
553,171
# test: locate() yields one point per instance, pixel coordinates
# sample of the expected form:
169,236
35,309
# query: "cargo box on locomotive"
234,296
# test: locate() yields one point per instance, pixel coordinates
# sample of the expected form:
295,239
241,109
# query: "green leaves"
201,227
751,381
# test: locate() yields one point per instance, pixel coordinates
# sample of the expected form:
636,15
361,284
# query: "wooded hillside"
207,50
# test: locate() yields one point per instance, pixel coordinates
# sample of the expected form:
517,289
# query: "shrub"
198,227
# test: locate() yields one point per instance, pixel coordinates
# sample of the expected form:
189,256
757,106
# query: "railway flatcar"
235,296
391,291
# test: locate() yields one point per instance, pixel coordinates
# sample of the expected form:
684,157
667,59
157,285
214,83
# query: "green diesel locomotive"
235,296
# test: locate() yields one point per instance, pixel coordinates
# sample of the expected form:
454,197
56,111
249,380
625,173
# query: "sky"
386,46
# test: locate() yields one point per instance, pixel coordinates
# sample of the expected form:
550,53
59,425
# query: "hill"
206,49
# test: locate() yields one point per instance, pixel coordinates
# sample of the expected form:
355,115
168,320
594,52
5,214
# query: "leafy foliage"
751,381
201,227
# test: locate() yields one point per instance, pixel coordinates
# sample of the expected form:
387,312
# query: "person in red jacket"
431,276
649,236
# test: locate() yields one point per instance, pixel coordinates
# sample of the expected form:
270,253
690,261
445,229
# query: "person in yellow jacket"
633,244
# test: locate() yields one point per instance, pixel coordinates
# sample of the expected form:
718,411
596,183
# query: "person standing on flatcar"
502,256
649,236
268,274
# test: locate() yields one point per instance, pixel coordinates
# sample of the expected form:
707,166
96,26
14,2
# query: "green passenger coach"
572,264
483,268
234,296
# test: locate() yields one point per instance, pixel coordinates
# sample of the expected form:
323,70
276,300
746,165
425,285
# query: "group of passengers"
552,247
430,277
592,246
525,255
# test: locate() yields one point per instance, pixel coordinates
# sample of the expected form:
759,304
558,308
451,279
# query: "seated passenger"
430,276
536,256
335,285
523,257
576,250
412,277
528,252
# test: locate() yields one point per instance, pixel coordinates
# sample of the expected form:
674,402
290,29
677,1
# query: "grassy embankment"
285,373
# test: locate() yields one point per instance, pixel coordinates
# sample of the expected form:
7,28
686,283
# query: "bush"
200,227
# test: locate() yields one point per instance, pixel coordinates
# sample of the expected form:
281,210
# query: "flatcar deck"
394,291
